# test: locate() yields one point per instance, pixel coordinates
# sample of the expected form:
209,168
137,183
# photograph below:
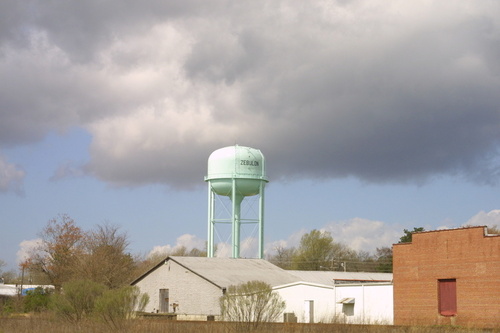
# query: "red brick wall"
466,255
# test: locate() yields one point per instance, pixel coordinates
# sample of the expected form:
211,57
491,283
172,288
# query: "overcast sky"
374,116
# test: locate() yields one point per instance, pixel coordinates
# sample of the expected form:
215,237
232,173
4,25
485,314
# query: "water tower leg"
211,214
261,221
236,200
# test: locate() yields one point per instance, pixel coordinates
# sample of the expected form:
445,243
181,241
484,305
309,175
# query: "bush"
37,300
117,305
77,298
10,304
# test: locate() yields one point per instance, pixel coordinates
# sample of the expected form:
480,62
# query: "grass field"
47,323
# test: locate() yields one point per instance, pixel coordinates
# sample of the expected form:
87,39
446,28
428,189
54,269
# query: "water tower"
235,172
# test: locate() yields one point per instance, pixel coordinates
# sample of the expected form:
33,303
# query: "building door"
164,300
309,311
447,297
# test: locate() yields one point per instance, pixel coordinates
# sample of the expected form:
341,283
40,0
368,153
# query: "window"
447,289
347,306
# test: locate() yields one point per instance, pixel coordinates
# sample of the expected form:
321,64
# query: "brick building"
448,277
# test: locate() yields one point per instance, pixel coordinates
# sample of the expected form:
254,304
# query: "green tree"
318,251
315,252
407,237
251,304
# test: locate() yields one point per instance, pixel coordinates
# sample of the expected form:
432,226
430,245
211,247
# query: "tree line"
317,251
66,252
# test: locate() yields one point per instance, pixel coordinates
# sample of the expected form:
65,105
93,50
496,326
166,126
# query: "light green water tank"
243,164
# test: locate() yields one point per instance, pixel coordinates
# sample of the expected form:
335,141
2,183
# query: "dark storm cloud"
396,92
83,28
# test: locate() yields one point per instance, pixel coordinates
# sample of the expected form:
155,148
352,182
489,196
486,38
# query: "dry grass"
48,323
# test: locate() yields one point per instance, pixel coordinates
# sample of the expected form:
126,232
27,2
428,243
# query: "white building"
308,302
192,286
15,289
347,297
364,303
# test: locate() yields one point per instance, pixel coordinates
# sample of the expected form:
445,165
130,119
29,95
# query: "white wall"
373,303
296,295
14,289
195,295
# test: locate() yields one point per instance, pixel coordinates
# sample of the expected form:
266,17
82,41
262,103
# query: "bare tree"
146,262
384,259
493,230
105,258
283,257
67,253
61,246
2,274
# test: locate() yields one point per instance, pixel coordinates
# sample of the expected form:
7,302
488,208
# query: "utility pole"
344,264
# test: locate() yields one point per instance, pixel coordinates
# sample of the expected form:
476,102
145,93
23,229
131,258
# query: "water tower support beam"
261,221
211,226
236,199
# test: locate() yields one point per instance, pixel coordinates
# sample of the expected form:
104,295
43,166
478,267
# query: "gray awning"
347,300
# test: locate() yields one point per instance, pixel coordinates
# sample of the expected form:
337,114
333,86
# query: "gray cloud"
381,92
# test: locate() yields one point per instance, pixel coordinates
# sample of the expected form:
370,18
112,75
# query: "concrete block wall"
194,294
467,255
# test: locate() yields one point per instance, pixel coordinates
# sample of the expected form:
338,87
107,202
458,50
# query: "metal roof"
8,290
225,272
331,277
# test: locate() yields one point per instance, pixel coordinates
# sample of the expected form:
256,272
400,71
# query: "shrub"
10,304
77,298
116,305
251,304
37,300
